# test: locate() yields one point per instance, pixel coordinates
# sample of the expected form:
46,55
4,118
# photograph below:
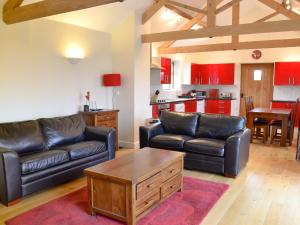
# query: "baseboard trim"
127,144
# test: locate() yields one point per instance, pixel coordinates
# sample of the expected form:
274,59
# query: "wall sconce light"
74,53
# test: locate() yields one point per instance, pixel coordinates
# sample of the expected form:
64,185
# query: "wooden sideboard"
103,118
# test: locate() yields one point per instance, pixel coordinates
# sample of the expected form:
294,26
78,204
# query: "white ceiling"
105,18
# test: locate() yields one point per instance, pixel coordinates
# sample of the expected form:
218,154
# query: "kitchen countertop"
181,100
274,100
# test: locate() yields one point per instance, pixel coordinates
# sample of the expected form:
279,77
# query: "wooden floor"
267,192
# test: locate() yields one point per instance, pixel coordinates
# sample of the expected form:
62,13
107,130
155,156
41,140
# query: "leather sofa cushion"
205,146
42,160
219,126
22,137
63,130
179,123
169,141
84,149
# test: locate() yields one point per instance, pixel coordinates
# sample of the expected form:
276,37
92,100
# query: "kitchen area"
191,87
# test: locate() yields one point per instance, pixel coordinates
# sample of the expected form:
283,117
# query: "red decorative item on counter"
213,93
112,80
88,96
256,54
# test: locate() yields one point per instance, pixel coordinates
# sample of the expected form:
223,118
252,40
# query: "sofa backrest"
63,130
22,137
219,126
179,123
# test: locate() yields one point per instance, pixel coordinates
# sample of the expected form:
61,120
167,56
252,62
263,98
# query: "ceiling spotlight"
287,4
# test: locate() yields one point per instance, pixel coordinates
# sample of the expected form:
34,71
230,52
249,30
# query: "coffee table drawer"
148,187
172,170
147,203
171,186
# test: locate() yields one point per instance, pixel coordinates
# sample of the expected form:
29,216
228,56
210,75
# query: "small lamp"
112,80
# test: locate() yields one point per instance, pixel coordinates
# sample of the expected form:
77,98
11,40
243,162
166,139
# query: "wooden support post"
211,13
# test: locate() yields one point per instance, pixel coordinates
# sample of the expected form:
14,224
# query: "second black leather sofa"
213,143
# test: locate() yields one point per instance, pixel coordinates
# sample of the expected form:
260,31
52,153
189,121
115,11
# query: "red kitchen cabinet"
288,105
225,74
190,106
194,74
155,112
213,74
287,73
218,107
166,71
172,107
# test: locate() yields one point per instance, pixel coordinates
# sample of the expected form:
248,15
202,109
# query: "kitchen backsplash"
286,93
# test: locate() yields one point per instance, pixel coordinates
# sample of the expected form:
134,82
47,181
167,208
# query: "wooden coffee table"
129,186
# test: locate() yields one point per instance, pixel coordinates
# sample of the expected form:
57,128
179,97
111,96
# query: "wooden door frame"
241,81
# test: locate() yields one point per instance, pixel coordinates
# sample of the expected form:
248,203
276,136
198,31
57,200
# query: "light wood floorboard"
267,192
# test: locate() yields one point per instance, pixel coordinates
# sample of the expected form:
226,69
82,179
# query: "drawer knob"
171,171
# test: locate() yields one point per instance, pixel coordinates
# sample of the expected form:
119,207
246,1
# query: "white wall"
36,80
123,62
244,56
131,58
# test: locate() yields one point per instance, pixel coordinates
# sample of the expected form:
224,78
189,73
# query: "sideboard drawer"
109,123
147,203
148,187
171,186
106,116
172,170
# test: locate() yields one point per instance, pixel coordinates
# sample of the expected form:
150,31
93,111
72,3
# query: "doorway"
257,81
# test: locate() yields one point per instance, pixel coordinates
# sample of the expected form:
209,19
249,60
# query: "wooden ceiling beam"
11,4
157,5
179,11
46,8
188,7
235,20
211,13
227,6
251,28
232,46
188,25
267,17
281,9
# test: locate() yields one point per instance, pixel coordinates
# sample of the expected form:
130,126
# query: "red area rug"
186,208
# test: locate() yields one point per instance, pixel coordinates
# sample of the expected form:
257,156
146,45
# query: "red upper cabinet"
287,73
194,73
213,74
166,72
225,75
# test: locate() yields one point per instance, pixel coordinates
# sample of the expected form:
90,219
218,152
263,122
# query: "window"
257,75
175,78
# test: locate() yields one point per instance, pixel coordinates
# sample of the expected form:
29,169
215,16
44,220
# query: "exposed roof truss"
207,16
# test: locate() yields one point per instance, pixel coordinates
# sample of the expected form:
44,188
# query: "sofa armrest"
237,152
148,132
10,176
104,134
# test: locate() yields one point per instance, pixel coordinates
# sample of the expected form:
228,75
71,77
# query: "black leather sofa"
46,152
213,143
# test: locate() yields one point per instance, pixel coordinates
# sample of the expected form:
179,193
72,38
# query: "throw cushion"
219,126
63,130
22,137
84,149
179,123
